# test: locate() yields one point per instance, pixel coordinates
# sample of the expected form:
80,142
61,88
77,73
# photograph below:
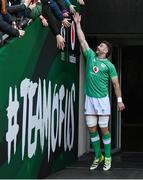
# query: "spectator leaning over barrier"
72,7
14,8
58,13
47,13
6,23
62,9
18,11
35,10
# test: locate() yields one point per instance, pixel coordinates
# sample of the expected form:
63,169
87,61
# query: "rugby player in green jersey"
99,70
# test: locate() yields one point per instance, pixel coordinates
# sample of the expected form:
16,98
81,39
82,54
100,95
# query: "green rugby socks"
107,144
95,141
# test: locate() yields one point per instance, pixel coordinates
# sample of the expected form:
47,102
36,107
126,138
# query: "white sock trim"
94,139
107,141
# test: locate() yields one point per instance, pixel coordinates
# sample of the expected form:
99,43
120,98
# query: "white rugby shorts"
97,106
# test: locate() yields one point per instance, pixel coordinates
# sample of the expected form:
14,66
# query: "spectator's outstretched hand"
66,22
14,25
21,33
60,42
44,22
66,14
72,9
77,18
32,6
81,2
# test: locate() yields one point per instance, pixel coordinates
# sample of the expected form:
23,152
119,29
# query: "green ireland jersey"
98,73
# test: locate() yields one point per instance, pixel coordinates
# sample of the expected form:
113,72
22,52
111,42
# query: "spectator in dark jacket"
58,13
47,14
35,10
62,9
6,23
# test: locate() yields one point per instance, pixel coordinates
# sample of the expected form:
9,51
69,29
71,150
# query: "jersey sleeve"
112,71
89,53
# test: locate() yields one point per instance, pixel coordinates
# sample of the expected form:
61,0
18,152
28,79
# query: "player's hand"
120,106
77,18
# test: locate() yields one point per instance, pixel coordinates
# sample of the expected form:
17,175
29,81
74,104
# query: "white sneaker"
96,162
107,164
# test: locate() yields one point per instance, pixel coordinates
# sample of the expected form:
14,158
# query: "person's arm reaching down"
46,12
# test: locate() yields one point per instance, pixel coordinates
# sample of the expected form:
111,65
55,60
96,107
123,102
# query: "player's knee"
91,121
92,129
103,121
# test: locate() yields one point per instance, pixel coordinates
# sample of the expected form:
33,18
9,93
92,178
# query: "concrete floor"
124,166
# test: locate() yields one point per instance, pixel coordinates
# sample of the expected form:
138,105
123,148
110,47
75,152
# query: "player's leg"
106,138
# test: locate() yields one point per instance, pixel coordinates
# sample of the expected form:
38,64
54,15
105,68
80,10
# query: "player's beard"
97,51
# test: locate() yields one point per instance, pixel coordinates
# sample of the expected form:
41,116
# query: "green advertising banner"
38,103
